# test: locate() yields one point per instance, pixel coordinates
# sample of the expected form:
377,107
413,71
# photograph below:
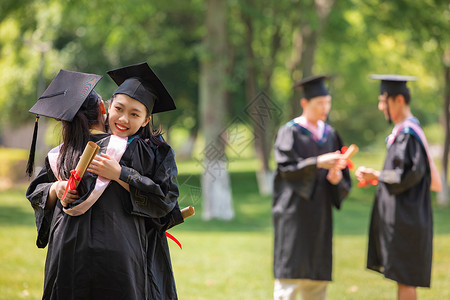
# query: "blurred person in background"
401,228
311,177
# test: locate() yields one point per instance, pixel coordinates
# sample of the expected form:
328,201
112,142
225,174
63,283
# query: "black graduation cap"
61,100
65,95
313,86
141,83
393,84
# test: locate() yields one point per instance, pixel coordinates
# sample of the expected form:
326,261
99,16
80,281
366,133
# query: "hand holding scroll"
334,175
331,160
367,176
105,166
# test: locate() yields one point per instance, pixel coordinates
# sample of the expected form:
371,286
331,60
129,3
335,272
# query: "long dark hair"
75,134
147,132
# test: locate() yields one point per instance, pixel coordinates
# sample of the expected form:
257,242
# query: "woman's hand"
58,188
105,166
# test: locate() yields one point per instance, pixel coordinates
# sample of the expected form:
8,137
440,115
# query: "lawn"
227,260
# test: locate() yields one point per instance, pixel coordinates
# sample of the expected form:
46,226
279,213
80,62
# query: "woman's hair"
147,132
75,134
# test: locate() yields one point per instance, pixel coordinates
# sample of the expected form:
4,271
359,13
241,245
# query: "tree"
262,41
216,189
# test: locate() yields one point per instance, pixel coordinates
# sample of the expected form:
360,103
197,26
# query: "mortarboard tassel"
30,164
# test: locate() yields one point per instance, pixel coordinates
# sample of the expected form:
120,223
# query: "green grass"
228,260
21,262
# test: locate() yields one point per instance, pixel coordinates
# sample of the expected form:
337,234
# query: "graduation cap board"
141,83
65,95
313,86
61,100
393,84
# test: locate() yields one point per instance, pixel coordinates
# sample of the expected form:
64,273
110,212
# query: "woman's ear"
146,121
102,107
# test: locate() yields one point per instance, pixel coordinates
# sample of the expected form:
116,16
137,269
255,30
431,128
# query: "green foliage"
37,38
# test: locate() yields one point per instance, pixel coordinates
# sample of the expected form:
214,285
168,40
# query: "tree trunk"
305,45
261,109
442,198
216,188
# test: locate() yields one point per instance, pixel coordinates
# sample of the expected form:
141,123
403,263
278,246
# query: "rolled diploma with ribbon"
352,149
90,151
349,152
86,158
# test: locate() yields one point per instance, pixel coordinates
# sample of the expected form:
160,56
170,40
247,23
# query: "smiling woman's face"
126,115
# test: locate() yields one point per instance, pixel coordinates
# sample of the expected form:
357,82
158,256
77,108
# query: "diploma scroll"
352,150
86,158
187,212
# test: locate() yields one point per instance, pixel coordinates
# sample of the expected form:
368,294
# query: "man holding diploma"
311,177
401,228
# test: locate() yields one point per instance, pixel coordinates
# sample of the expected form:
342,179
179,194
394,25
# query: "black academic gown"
118,248
302,204
401,227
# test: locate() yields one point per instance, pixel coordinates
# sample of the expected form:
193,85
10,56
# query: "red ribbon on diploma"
72,182
173,239
185,213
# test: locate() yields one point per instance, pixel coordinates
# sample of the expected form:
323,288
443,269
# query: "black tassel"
30,164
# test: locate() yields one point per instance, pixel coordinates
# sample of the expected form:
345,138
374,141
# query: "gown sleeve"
297,172
151,177
37,194
409,164
170,220
290,165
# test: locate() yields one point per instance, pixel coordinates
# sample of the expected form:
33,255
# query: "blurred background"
230,66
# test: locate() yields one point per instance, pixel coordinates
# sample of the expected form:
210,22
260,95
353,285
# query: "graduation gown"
401,227
302,203
118,248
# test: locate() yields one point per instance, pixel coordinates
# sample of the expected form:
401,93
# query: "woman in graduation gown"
401,227
116,249
310,179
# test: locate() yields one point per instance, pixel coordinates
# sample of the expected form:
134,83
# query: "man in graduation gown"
401,227
310,178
